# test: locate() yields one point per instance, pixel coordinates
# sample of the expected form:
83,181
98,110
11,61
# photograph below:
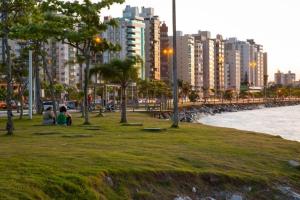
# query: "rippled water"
283,121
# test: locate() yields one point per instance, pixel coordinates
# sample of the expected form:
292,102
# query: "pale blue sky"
272,23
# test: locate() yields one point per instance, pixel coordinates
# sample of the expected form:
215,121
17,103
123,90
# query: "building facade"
165,68
208,45
130,35
62,63
199,67
152,44
219,64
185,57
232,66
288,79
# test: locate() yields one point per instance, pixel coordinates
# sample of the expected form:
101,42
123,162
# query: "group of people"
64,118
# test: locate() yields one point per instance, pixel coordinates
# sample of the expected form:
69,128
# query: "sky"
272,23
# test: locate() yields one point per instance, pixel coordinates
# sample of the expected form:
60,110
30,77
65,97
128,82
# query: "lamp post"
30,86
97,41
168,52
175,79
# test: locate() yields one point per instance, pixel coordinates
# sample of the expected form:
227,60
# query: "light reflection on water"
283,121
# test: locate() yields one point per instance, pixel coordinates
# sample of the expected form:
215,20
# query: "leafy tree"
20,74
184,89
228,95
122,72
193,96
12,12
80,28
40,31
2,94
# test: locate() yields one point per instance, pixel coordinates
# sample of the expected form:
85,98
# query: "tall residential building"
185,57
219,64
130,35
266,76
61,63
152,43
256,76
232,59
199,67
252,63
290,78
165,69
244,48
285,79
208,61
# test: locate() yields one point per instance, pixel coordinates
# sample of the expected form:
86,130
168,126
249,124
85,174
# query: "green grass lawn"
110,161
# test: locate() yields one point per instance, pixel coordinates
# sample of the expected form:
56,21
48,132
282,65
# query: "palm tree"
122,72
186,89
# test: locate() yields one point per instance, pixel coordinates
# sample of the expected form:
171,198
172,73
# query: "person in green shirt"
64,118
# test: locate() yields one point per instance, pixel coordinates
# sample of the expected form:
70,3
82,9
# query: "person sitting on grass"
64,118
49,117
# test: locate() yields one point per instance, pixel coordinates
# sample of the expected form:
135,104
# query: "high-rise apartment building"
232,59
285,79
253,64
256,75
185,57
266,76
219,64
165,59
130,35
208,61
152,43
199,67
62,63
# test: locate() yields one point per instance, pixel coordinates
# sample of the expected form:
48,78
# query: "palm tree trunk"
50,79
86,86
123,105
21,107
38,101
7,61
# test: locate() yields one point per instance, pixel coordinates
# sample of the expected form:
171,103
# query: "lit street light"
97,40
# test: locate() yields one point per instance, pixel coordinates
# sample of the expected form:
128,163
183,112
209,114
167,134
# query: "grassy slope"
46,163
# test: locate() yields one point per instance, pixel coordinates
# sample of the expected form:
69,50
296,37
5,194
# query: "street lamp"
175,78
97,39
168,51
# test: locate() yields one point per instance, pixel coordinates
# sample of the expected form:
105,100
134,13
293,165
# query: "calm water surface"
283,121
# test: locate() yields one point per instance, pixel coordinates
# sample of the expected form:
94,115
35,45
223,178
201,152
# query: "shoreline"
192,113
264,120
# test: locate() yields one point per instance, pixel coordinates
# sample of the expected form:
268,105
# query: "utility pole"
30,85
175,79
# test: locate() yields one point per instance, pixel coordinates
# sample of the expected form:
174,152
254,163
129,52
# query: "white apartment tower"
219,64
185,57
256,75
130,35
199,67
62,63
208,61
232,65
252,63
